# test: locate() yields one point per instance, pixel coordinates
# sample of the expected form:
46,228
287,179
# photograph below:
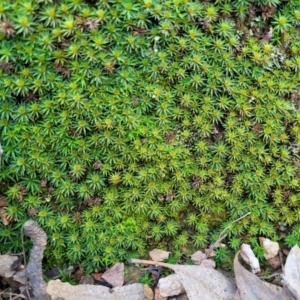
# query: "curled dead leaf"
250,287
292,271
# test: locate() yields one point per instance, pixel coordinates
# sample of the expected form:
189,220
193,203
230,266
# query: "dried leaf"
249,258
4,217
115,275
292,271
3,202
250,287
159,255
56,288
197,280
148,292
271,248
208,283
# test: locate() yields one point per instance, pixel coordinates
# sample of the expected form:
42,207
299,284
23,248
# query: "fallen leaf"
249,258
56,288
97,276
115,275
159,255
271,248
4,217
3,202
250,287
197,280
170,286
292,271
148,292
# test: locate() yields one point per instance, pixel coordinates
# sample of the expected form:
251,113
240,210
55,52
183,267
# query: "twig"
149,262
16,296
24,257
33,270
281,262
270,276
223,235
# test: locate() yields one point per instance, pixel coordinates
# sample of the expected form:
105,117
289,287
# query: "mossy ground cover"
132,124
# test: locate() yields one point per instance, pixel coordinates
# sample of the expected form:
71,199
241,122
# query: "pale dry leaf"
115,275
159,255
56,288
249,258
250,287
197,280
208,283
271,248
292,271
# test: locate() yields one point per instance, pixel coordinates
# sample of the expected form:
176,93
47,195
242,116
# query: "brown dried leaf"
3,202
148,292
250,287
4,217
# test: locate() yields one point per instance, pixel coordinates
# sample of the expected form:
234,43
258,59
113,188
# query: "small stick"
223,235
281,262
33,270
24,257
149,262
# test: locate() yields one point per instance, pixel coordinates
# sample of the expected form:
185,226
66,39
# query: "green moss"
126,124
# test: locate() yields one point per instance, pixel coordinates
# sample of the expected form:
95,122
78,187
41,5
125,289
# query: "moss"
126,124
